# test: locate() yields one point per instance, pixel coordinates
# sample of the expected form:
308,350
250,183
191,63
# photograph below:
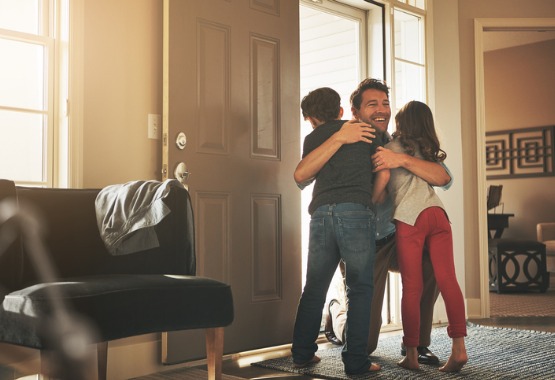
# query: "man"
376,113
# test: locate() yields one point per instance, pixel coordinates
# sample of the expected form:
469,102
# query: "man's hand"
353,131
431,172
387,159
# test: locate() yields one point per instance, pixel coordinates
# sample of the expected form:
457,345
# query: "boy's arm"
351,132
432,172
379,191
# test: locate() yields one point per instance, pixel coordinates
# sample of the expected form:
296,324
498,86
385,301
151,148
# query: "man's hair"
323,104
368,83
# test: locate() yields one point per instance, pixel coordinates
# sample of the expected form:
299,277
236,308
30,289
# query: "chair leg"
102,360
45,365
214,352
53,365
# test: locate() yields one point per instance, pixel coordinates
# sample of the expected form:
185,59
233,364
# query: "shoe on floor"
425,356
328,327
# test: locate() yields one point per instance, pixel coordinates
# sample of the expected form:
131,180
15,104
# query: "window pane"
420,4
409,83
21,146
408,37
20,15
22,75
329,53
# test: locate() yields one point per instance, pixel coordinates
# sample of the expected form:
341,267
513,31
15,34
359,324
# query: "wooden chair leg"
214,352
102,360
45,365
51,367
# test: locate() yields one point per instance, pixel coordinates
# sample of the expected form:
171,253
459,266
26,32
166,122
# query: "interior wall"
445,102
122,84
468,11
519,90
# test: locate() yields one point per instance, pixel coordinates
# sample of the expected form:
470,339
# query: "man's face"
374,109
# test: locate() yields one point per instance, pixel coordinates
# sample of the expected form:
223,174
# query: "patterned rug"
494,353
523,304
183,374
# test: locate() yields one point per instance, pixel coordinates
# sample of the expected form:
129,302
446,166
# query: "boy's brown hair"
323,104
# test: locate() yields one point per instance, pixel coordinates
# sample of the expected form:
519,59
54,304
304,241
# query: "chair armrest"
545,231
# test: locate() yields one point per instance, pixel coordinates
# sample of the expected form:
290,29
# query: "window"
415,3
33,89
409,58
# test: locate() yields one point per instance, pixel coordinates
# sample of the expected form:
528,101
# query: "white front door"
231,86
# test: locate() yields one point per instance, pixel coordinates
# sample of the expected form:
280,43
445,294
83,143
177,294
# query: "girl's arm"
379,191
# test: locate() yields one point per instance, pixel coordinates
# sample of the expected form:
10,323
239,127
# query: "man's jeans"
338,231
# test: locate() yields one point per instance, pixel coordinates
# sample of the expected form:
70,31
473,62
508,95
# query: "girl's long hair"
415,130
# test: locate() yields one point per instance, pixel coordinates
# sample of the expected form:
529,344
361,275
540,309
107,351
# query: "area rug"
523,304
494,353
183,374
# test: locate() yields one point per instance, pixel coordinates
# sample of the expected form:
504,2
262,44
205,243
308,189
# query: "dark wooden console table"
497,223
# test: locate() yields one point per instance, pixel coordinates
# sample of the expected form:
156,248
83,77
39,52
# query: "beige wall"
444,98
520,92
122,79
468,11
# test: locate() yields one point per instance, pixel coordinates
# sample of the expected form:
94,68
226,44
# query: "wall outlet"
154,126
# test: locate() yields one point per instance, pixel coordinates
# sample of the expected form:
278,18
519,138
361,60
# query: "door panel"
231,84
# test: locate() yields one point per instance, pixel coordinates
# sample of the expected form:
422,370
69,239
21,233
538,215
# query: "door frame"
482,25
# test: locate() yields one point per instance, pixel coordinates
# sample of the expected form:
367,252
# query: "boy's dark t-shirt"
347,176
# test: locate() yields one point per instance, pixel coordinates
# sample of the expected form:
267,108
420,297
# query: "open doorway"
494,34
334,51
330,53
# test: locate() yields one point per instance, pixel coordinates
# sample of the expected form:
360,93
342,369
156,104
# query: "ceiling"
494,40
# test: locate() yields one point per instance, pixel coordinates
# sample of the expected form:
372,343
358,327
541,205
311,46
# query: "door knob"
181,173
181,140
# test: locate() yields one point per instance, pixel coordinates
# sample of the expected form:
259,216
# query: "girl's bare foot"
411,360
454,364
458,357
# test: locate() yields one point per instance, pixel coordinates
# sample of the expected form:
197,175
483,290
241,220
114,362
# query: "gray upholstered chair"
546,235
95,296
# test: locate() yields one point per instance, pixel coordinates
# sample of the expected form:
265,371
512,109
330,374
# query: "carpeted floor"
523,304
183,374
494,353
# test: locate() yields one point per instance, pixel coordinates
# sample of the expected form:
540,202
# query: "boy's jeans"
338,231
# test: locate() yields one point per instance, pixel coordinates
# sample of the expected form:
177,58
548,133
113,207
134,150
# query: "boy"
342,227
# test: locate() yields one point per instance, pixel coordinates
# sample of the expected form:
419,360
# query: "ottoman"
517,266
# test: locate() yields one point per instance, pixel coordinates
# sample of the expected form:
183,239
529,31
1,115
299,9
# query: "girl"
421,220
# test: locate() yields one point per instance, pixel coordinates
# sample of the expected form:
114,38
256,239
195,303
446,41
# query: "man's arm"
351,132
432,172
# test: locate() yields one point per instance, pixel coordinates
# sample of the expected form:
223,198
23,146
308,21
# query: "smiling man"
371,109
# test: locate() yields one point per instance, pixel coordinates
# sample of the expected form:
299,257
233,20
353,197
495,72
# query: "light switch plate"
154,126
